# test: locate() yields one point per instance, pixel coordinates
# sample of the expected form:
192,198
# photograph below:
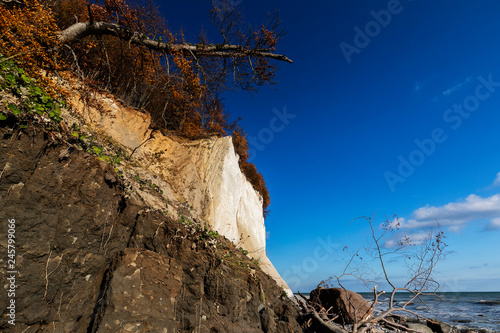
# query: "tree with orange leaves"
126,50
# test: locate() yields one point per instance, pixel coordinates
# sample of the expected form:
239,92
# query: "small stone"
377,330
268,321
419,327
110,178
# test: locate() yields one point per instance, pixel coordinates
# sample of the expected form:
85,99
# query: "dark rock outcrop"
350,306
90,259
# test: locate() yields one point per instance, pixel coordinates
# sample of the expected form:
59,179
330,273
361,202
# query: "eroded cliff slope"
92,258
202,173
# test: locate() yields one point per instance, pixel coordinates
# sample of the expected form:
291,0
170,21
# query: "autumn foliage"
180,92
29,36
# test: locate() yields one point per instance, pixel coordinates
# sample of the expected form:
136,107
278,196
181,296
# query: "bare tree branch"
326,326
81,30
422,262
323,325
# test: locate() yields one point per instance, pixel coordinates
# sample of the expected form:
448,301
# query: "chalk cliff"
201,174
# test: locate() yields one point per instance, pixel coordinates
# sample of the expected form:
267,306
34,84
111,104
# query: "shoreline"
466,312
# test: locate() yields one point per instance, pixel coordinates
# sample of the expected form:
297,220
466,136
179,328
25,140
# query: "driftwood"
320,324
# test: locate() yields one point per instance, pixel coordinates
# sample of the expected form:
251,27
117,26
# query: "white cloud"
455,215
390,243
451,90
419,238
496,182
411,238
494,224
455,228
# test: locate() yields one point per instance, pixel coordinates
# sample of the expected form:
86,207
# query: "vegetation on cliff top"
126,49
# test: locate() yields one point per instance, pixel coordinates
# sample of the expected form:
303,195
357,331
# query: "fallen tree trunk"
81,30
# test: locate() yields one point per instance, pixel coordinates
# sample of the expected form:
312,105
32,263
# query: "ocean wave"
485,302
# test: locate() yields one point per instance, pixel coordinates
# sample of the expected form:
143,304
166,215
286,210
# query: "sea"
465,310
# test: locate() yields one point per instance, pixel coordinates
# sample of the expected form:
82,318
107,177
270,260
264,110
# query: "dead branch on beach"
420,259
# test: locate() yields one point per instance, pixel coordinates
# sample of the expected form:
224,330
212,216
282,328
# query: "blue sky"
400,118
